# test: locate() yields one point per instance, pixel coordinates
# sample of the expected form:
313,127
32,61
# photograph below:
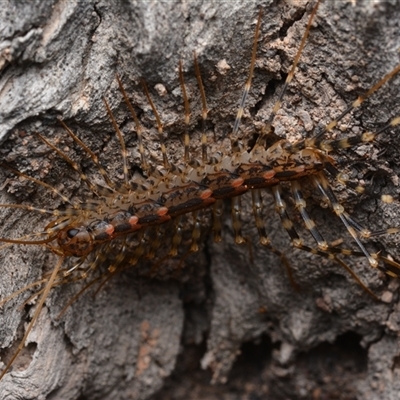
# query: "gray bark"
60,59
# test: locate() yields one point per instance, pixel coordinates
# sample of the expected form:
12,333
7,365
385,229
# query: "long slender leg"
323,185
145,165
356,103
290,75
159,127
93,156
264,240
348,142
204,110
217,220
187,113
122,144
236,222
72,163
247,86
297,242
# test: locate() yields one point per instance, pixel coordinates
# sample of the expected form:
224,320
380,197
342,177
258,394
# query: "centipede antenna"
65,199
56,213
24,289
187,113
236,221
38,310
73,164
93,156
204,110
290,75
145,165
19,241
24,238
122,143
159,126
247,86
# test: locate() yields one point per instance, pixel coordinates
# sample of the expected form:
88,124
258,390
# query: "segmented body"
167,193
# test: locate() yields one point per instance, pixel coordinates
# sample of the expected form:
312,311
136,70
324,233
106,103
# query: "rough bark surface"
233,318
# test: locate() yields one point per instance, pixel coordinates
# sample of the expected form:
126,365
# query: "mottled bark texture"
232,315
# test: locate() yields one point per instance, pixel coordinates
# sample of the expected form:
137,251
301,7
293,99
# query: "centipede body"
237,272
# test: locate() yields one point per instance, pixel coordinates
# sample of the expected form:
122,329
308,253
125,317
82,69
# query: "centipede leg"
264,240
187,113
145,165
290,75
297,242
217,220
167,164
204,110
236,221
177,237
247,86
323,185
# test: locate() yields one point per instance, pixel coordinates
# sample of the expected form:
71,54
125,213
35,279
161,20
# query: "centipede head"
75,241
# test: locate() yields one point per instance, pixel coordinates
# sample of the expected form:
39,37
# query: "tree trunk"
232,315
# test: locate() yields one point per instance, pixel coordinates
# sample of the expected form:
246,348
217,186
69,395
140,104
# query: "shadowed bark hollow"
231,317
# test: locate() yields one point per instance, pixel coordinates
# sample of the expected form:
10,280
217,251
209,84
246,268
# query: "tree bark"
59,59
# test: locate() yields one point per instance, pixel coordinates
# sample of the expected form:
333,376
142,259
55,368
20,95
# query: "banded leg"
196,232
264,240
177,237
93,188
309,223
356,230
297,242
93,156
322,244
258,216
167,165
345,143
356,103
145,165
290,75
217,220
323,186
187,113
122,144
204,110
247,86
236,221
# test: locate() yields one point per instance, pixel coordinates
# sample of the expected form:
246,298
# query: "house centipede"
250,180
